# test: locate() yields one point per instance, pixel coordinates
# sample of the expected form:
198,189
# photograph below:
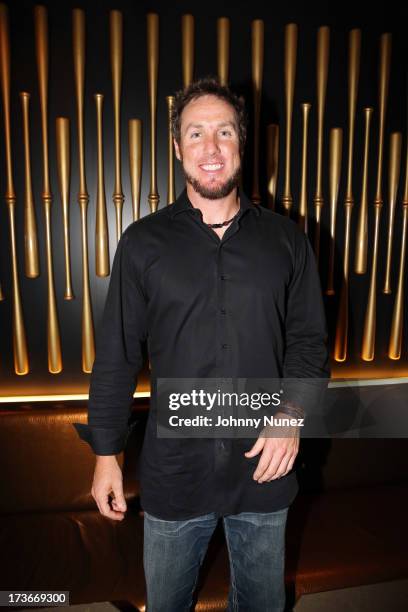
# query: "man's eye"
195,134
226,132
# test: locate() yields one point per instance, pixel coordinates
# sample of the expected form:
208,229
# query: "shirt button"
223,311
223,277
225,346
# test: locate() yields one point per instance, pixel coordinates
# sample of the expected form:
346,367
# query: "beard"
218,190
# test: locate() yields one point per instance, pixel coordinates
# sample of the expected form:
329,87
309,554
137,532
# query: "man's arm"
118,357
305,364
117,363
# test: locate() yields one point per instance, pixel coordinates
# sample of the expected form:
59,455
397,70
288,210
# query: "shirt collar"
183,203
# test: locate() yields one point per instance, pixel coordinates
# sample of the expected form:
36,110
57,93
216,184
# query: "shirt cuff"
104,440
292,409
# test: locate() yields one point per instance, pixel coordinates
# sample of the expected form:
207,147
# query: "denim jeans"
174,551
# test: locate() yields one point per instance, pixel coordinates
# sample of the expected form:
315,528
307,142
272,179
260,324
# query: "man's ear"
177,149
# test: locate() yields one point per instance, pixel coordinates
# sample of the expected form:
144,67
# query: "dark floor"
382,597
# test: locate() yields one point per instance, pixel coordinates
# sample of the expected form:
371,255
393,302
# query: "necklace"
217,225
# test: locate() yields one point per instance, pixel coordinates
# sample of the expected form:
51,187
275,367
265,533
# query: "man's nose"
211,144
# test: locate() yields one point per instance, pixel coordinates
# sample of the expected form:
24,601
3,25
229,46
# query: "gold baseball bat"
322,68
102,264
223,49
41,45
187,46
395,341
384,78
257,74
135,163
152,74
341,339
32,268
171,188
302,219
88,343
393,180
368,343
116,53
336,145
20,353
63,166
353,79
360,262
291,36
272,161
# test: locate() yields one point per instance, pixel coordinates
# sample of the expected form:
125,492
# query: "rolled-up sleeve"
118,357
306,361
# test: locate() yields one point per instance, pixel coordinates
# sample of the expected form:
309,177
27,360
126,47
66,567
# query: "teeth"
212,166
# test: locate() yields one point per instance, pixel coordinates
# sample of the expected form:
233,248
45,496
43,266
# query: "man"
219,288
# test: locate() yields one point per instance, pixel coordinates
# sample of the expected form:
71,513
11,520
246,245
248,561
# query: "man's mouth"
211,167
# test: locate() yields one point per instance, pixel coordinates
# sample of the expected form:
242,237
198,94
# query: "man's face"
209,147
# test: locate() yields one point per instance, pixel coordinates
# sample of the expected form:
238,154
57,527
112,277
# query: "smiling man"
219,288
210,154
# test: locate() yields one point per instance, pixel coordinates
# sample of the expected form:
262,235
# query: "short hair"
209,86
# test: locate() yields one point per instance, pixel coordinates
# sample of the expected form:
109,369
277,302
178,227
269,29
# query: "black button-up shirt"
247,305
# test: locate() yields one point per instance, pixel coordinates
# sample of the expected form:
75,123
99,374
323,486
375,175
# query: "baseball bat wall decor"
63,167
368,342
353,80
116,51
41,45
336,146
20,352
395,341
32,267
187,48
322,69
393,181
102,263
291,36
272,162
135,163
88,342
152,75
303,207
171,188
360,261
223,49
257,75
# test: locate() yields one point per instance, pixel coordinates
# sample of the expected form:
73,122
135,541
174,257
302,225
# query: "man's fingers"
106,510
282,468
272,466
292,461
108,483
285,465
119,499
102,501
257,447
278,455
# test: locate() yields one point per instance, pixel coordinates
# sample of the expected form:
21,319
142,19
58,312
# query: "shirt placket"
223,446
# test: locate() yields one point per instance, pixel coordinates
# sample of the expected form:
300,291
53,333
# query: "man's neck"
215,211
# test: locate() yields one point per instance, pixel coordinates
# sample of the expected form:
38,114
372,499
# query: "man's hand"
278,454
108,481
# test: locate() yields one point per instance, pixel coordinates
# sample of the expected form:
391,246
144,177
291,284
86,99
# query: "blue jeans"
174,551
